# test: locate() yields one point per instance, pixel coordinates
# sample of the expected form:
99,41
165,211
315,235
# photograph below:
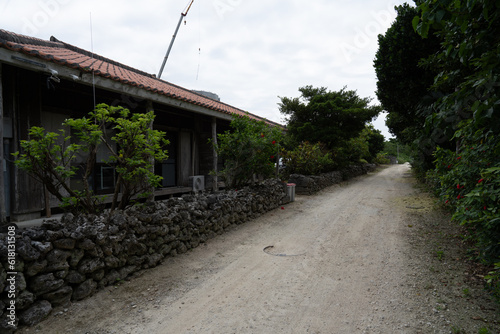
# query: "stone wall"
307,184
69,260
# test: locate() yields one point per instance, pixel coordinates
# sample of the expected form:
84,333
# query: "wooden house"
43,82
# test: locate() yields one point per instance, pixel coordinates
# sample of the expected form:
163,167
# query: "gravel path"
372,255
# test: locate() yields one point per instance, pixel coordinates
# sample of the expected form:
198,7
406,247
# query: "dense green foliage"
402,81
462,123
382,159
48,157
138,147
250,148
315,158
307,159
331,123
312,144
52,158
468,182
375,141
332,118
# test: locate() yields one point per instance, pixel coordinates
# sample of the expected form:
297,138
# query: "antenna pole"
92,50
173,39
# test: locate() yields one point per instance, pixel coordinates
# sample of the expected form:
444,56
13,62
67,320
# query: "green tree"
403,82
307,159
356,150
250,148
468,61
138,147
375,140
329,117
50,157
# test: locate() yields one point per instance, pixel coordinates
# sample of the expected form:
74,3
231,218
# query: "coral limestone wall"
70,259
307,185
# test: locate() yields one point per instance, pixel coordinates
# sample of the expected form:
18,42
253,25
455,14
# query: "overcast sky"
249,52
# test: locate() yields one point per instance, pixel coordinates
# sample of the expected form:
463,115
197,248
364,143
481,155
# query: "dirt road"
335,262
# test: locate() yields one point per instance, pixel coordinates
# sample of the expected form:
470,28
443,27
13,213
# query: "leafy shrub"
468,182
381,159
465,109
250,148
356,149
308,159
50,157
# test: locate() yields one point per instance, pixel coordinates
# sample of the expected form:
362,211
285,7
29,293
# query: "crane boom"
183,14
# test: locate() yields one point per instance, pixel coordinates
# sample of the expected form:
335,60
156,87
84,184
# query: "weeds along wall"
69,260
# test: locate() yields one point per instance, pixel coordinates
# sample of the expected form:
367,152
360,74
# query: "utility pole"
183,15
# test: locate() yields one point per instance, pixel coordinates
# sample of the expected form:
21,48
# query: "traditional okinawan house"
42,83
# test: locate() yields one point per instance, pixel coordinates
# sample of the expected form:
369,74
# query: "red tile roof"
68,55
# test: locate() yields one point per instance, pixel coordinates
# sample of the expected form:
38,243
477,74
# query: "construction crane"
183,15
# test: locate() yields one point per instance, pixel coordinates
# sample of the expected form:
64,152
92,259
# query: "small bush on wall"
50,157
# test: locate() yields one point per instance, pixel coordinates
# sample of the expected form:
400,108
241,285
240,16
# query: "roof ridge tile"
22,39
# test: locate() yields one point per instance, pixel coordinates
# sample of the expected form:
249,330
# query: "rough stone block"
67,243
36,313
84,290
74,277
88,265
45,283
35,267
60,297
26,250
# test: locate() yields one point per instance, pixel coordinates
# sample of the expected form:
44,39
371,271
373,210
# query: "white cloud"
248,52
